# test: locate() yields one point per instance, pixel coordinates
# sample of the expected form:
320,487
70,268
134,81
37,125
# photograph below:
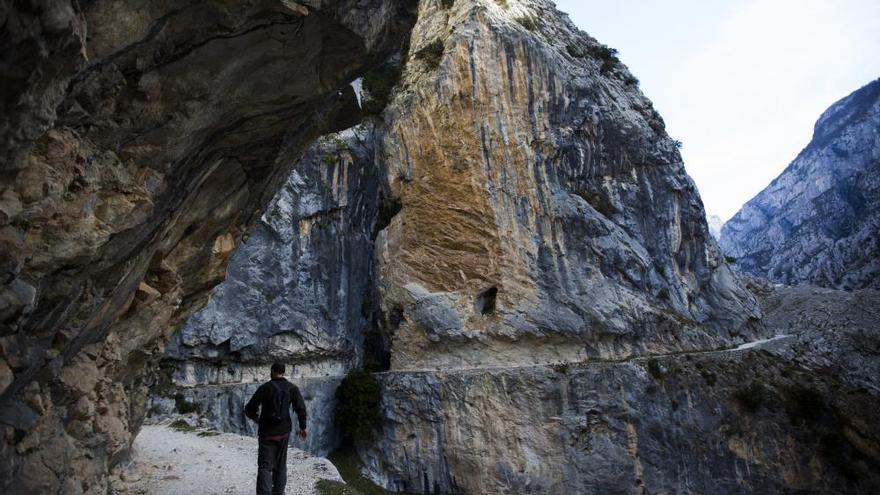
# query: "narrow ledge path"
747,346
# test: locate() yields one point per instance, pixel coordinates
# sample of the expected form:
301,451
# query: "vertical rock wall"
546,215
546,219
297,291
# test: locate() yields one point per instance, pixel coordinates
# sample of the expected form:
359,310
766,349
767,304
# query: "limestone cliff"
513,240
297,290
545,220
545,214
795,416
555,308
528,209
819,222
138,142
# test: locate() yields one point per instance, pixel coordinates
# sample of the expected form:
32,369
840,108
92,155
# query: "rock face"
528,209
545,214
514,240
138,143
545,217
819,222
775,420
297,291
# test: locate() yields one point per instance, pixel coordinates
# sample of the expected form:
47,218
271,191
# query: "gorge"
508,239
818,222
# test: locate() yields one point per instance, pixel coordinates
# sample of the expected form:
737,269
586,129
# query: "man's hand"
302,434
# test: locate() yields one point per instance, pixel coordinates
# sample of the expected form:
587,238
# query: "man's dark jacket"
263,399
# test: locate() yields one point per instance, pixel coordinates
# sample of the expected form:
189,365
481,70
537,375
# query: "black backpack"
280,410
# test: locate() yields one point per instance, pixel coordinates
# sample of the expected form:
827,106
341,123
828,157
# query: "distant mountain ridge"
818,222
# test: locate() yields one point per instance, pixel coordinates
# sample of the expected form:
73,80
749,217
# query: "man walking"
274,400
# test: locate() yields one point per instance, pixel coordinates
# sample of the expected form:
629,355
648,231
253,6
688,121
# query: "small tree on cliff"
357,409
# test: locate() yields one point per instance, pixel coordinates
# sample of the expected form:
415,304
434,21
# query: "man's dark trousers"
272,466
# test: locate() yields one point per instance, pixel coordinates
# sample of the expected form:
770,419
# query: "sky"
739,82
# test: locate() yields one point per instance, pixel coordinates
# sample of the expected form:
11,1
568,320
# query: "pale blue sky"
739,82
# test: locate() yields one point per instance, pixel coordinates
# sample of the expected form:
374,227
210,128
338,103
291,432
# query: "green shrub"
502,3
663,294
710,378
184,406
431,54
655,369
181,425
561,368
447,3
357,410
379,85
330,487
631,80
528,22
608,57
574,50
730,259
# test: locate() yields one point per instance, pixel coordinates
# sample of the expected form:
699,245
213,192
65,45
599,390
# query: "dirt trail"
167,461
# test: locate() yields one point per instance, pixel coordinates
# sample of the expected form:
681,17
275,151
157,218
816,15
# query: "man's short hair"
277,368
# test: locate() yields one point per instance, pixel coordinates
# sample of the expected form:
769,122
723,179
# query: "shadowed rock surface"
138,143
297,291
818,223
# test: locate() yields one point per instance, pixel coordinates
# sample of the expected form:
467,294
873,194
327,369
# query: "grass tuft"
379,84
181,425
184,406
527,21
431,54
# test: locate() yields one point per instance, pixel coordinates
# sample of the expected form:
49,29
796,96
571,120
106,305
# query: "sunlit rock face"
545,219
139,140
545,214
818,223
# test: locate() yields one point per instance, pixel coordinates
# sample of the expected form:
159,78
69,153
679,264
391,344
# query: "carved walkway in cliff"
765,344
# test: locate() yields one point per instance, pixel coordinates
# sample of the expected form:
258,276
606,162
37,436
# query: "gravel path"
167,461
